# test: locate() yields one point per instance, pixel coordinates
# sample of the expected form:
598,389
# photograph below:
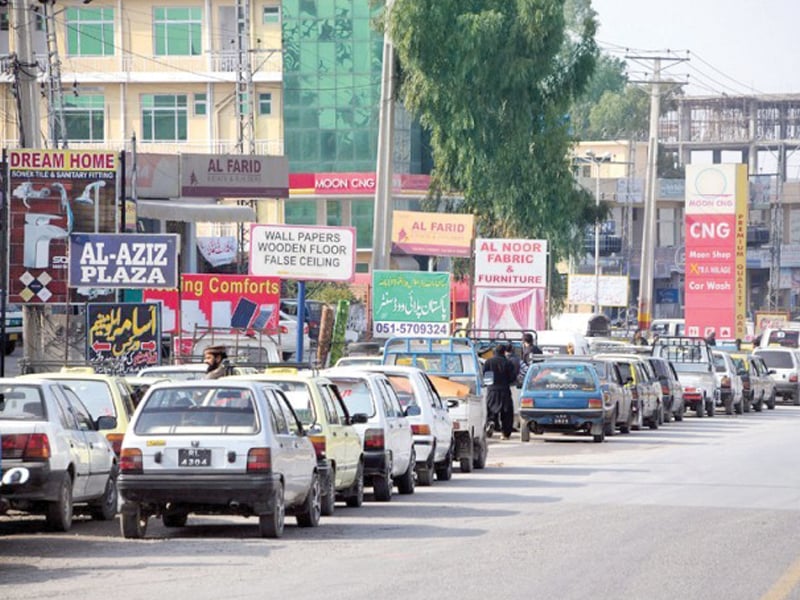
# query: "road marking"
784,586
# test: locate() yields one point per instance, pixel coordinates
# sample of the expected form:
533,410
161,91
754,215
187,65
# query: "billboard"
432,234
234,176
613,290
123,338
715,255
51,195
410,303
510,263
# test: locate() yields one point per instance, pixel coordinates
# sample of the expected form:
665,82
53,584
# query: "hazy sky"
749,46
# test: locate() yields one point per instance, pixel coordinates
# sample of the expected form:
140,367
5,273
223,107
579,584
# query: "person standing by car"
498,398
215,357
529,350
711,339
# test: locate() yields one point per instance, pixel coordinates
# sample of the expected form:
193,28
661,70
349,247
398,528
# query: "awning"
164,210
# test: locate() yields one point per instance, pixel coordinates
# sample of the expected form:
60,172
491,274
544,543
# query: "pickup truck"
694,364
453,368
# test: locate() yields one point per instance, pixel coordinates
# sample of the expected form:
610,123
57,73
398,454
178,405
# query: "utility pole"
55,92
25,73
245,102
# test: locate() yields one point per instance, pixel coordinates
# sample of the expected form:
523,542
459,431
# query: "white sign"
613,290
303,252
510,263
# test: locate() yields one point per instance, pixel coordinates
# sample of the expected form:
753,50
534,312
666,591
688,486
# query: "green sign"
413,303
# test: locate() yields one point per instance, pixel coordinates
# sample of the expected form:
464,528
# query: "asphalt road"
707,508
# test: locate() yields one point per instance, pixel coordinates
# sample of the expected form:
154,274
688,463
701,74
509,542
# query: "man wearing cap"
214,357
499,403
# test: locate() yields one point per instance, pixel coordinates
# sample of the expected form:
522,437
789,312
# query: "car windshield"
191,411
95,395
437,362
719,363
299,396
356,395
546,376
777,359
21,403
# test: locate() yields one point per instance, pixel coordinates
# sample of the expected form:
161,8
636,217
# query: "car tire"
311,512
329,497
679,413
638,421
105,508
425,474
132,521
772,400
700,408
748,401
739,408
711,408
382,487
524,431
444,470
174,519
599,438
270,525
729,405
609,429
653,421
626,426
480,453
406,482
356,496
59,512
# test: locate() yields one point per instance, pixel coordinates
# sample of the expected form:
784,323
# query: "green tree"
493,81
620,115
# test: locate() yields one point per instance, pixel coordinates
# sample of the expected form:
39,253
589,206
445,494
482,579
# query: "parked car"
729,383
48,431
757,386
313,314
565,396
186,372
430,420
671,388
103,395
639,375
386,437
358,361
764,376
693,362
330,427
217,447
785,366
287,330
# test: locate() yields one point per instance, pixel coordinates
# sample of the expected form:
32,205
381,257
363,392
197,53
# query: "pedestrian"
499,403
639,339
711,339
215,358
514,359
529,351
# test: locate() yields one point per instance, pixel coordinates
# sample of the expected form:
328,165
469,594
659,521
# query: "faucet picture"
65,205
39,232
91,195
25,190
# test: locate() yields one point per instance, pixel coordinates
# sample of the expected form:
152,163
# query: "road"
707,508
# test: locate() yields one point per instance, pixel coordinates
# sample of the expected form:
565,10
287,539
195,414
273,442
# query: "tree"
492,81
620,115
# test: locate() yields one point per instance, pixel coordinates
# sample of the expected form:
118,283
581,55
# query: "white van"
553,341
667,328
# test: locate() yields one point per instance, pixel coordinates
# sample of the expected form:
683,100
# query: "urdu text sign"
415,303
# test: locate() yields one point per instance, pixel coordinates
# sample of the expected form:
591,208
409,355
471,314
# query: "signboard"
123,338
432,234
667,296
770,320
510,263
354,184
499,309
303,252
410,303
613,290
222,302
52,194
234,176
123,260
716,248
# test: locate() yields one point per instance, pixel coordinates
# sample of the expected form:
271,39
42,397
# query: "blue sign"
667,296
123,260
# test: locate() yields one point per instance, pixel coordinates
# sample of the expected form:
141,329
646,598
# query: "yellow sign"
432,234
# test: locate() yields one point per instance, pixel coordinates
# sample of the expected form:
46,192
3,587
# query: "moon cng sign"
716,246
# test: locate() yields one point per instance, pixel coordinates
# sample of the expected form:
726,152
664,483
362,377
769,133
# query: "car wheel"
679,413
59,512
700,408
444,470
653,421
406,482
329,497
747,401
105,509
711,408
599,438
626,426
174,519
481,452
382,487
133,522
425,474
729,405
312,507
356,497
771,402
270,525
739,408
638,420
524,431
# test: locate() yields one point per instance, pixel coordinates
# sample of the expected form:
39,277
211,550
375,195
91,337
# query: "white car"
430,419
217,447
729,383
287,335
47,430
386,437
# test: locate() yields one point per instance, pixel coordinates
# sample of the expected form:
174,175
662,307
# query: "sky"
735,46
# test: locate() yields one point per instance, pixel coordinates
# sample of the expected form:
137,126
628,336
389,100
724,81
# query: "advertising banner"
222,302
123,338
52,194
511,309
234,176
123,260
410,303
715,255
303,252
432,234
510,263
613,290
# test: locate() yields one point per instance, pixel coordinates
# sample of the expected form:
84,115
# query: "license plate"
194,457
561,420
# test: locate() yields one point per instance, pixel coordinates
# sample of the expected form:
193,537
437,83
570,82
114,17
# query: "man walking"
498,398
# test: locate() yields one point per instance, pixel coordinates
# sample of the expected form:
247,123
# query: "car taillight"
595,403
793,377
259,460
284,329
725,381
421,429
130,461
116,441
373,439
456,426
665,388
526,403
319,444
27,446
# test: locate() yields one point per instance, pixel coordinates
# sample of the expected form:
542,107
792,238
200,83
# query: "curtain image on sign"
499,309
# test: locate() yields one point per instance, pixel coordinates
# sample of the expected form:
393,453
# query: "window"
265,104
271,15
279,424
4,20
334,212
90,31
200,105
177,31
84,117
362,216
164,117
300,212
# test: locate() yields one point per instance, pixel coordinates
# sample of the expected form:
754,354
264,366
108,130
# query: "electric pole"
245,102
25,75
55,92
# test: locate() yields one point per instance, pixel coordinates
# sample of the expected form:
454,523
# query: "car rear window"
95,395
561,377
777,359
788,339
404,389
218,411
356,396
21,403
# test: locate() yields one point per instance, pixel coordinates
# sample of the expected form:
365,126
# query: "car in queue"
48,431
729,383
386,436
761,378
103,396
330,427
639,375
671,388
217,447
784,366
691,357
566,396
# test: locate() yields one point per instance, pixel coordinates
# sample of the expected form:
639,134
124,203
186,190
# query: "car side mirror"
105,422
452,403
358,419
412,411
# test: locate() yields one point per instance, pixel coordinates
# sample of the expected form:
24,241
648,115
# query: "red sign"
354,184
